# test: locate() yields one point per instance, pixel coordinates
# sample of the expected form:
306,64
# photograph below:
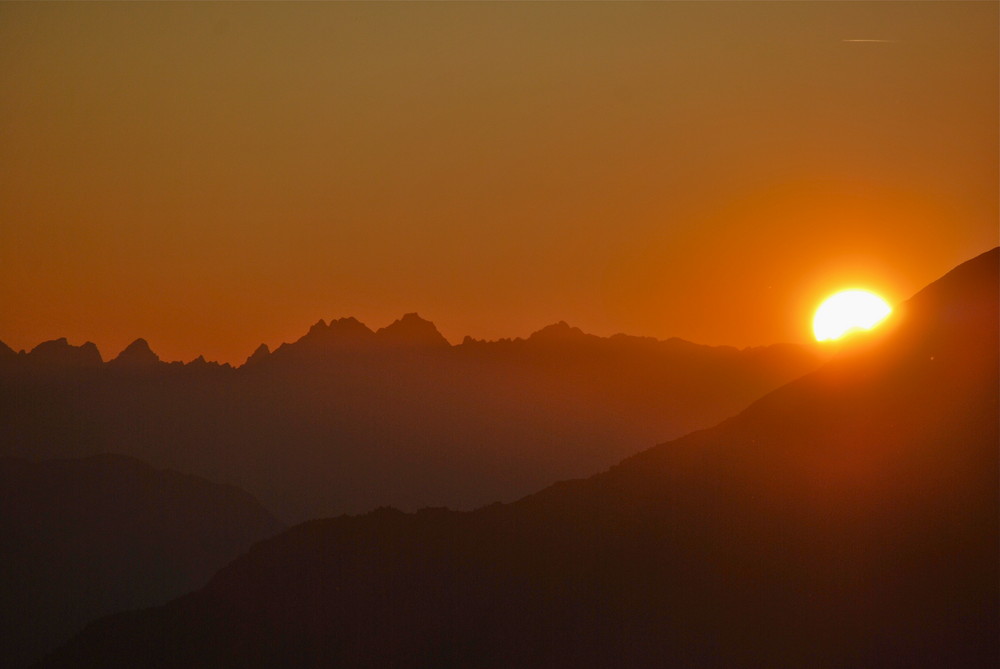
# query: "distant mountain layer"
84,538
848,519
346,419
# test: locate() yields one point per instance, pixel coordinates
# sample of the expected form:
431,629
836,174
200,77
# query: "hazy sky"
211,176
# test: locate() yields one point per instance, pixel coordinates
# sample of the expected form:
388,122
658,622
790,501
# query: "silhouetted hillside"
136,355
60,353
849,518
346,419
84,538
6,352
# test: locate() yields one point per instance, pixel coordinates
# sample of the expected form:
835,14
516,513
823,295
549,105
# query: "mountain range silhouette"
346,419
847,519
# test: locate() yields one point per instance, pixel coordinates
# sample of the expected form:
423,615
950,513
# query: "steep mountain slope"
849,518
83,538
347,419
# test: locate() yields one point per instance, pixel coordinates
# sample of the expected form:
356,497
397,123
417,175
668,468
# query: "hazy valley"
346,419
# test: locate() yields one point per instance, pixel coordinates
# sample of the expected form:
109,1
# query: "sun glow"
849,311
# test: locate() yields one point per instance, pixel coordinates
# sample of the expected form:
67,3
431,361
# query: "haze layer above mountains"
849,518
346,419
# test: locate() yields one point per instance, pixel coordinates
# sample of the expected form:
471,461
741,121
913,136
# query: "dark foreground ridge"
347,419
849,518
87,537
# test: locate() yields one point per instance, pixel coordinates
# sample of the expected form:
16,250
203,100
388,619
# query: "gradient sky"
211,176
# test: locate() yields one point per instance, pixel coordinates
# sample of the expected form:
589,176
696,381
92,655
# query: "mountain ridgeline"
347,419
847,519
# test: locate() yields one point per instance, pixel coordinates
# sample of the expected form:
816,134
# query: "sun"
848,311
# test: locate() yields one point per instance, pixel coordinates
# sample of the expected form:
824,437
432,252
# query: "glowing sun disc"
847,311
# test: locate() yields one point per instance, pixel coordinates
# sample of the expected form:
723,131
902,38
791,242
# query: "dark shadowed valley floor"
82,538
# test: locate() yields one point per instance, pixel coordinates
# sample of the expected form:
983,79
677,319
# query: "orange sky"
211,176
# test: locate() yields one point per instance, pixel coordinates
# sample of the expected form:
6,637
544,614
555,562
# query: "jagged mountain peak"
411,331
561,331
350,326
260,354
348,321
339,332
201,363
136,354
